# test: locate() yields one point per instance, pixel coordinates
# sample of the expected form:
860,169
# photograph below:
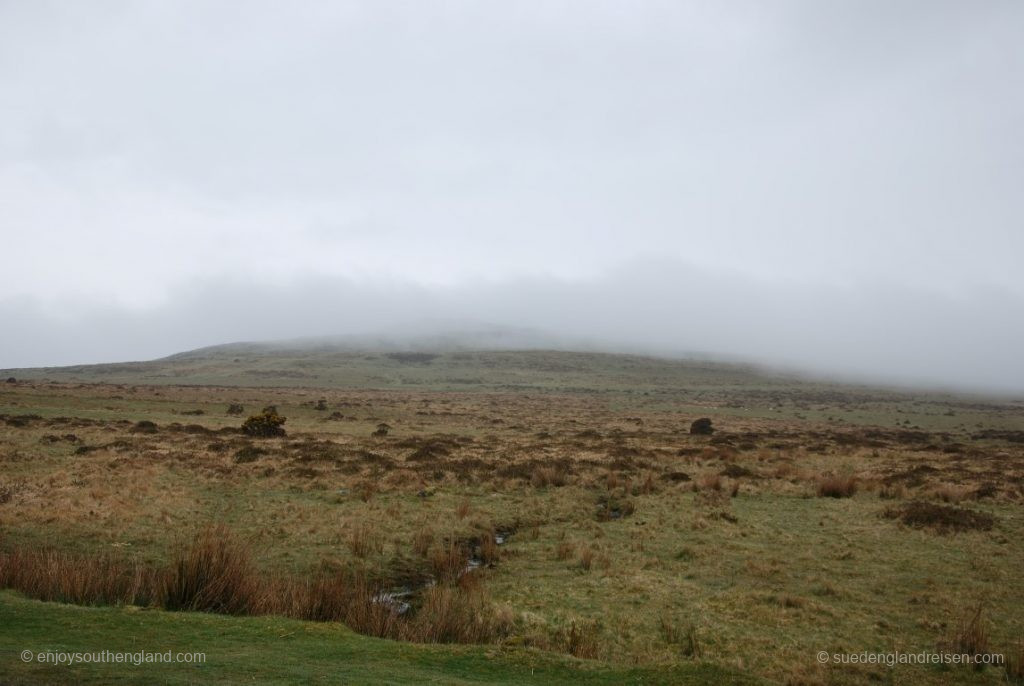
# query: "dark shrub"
735,471
249,453
986,490
412,358
145,427
321,404
702,427
11,379
235,409
943,518
264,425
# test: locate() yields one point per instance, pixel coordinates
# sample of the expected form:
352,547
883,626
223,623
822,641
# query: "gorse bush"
266,424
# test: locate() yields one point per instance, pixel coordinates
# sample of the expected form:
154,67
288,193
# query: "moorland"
499,516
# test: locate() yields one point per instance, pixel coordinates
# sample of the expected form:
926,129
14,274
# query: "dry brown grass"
1014,664
612,481
951,493
367,490
682,635
455,615
462,509
836,486
422,540
543,477
971,636
586,558
9,489
564,550
213,574
84,580
708,481
490,551
581,639
895,492
784,470
647,487
448,561
363,541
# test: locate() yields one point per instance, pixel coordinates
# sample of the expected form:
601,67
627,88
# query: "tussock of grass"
215,573
564,550
80,579
422,540
833,486
971,636
1014,665
448,561
543,477
363,540
581,639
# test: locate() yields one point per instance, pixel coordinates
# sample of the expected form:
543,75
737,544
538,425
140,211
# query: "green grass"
272,651
628,382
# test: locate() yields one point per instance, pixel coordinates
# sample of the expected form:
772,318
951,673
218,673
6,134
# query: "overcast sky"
831,185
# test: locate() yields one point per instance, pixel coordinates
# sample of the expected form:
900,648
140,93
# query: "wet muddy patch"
611,507
464,558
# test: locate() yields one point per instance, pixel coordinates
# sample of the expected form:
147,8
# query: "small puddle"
399,599
396,599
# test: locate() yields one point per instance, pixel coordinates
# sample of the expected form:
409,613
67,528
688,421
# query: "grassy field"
269,650
657,554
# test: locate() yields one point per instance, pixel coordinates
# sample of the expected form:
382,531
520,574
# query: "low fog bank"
968,340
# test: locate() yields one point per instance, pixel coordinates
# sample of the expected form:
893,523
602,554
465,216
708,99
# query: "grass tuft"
837,486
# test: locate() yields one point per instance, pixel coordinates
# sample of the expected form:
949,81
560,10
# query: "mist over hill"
494,359
423,336
886,334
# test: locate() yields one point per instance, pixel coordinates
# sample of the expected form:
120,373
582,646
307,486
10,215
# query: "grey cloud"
889,334
860,162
